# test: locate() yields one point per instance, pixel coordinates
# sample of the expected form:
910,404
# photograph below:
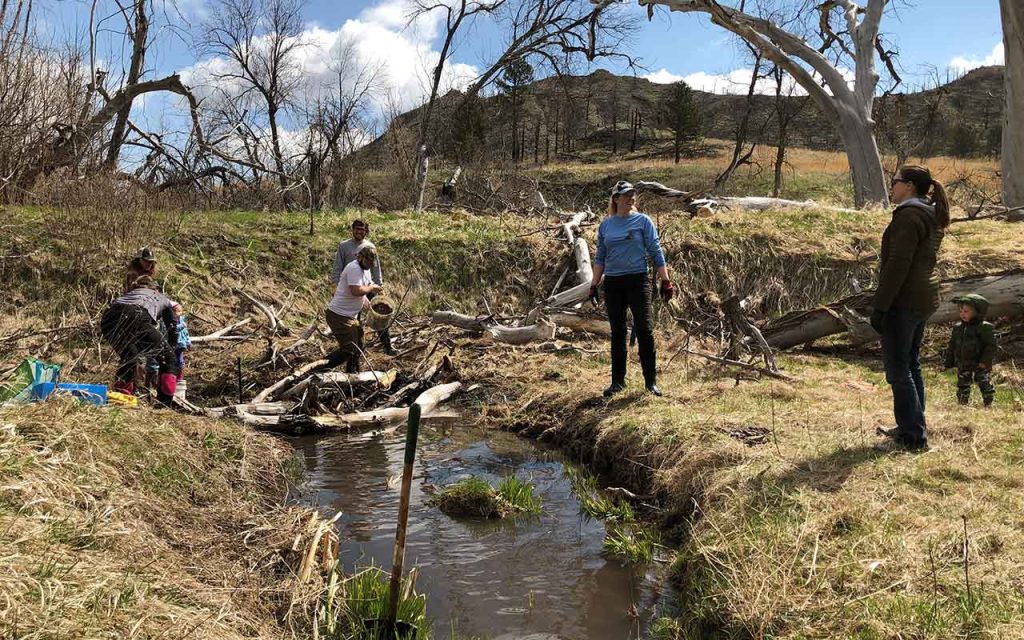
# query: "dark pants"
130,330
632,291
984,379
348,332
902,332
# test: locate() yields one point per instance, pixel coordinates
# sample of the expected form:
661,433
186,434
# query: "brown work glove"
668,290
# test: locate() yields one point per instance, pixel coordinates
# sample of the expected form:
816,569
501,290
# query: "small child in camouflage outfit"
972,347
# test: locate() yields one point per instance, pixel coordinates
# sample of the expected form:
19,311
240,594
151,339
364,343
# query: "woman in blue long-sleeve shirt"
626,240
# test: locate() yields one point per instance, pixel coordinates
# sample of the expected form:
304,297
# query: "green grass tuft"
355,607
634,544
476,498
519,494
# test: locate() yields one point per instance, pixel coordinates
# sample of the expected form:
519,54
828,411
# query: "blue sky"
941,33
952,35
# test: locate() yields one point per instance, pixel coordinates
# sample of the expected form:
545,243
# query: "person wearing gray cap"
626,240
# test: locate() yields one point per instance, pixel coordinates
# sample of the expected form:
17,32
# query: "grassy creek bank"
785,521
146,524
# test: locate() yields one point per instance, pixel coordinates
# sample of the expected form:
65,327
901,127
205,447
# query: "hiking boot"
654,390
893,432
613,389
902,444
898,441
988,402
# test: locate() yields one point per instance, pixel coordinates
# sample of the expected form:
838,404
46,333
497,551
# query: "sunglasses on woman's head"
897,179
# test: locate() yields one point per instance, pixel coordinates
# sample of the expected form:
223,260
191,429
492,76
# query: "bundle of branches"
314,398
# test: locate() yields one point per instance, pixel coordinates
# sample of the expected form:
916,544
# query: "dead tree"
137,31
260,40
787,108
1013,127
741,155
815,68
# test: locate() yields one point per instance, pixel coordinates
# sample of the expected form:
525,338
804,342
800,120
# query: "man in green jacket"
972,347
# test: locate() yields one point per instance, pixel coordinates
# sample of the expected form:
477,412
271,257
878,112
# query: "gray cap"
622,187
145,253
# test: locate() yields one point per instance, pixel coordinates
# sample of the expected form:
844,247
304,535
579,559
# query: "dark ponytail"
922,180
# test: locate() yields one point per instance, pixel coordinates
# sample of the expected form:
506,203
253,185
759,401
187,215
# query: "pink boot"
165,388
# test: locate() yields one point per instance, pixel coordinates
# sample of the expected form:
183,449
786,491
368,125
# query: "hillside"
592,116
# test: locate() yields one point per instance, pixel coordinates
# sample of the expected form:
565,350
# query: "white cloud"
380,37
963,64
663,76
736,81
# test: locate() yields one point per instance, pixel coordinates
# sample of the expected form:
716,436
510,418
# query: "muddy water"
527,577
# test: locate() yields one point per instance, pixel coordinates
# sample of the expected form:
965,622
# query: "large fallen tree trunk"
540,330
1005,293
757,203
577,322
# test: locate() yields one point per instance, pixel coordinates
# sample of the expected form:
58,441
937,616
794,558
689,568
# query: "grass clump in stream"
476,498
355,607
632,543
593,503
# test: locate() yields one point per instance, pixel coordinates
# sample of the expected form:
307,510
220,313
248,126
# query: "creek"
526,577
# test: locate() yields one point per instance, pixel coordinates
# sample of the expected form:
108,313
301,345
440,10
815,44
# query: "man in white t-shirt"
354,284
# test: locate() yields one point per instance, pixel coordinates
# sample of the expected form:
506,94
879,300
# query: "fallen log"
757,203
541,330
462,321
382,418
383,379
1005,293
284,382
254,408
222,334
581,323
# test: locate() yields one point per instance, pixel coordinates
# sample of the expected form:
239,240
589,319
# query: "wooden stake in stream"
411,433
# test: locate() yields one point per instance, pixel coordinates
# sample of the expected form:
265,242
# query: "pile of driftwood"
314,398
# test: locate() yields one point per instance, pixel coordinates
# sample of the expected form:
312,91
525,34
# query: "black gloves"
877,317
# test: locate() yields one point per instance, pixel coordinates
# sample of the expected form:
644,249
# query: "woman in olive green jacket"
907,294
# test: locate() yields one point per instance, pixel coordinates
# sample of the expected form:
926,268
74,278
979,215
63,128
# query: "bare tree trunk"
738,156
780,159
869,181
275,141
138,38
1013,125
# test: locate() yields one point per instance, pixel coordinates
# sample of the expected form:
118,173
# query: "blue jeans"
902,332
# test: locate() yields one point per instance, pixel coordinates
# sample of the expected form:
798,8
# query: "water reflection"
498,578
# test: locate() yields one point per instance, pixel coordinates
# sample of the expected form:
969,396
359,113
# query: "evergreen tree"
516,76
680,114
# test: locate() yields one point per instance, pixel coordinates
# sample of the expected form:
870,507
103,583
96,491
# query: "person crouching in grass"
354,285
972,347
